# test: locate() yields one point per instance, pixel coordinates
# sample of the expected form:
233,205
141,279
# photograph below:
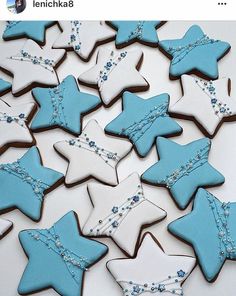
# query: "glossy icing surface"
32,64
151,272
120,212
128,31
24,182
93,154
195,51
56,257
183,168
142,120
62,106
114,72
210,229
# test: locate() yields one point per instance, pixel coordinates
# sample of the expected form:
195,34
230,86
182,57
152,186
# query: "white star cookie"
32,64
5,226
152,271
115,72
207,101
121,212
83,36
92,154
13,125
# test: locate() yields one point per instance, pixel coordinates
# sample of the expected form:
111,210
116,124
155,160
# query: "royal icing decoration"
214,240
13,124
85,142
114,72
24,56
83,36
131,31
142,120
183,168
98,153
119,212
109,66
51,240
195,51
37,64
30,181
112,221
62,106
152,271
32,29
17,170
133,289
197,160
208,102
58,257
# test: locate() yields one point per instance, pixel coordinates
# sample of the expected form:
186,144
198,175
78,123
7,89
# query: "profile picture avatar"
16,6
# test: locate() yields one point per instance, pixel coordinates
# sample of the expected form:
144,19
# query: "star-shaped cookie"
92,154
14,131
5,227
115,72
142,120
62,106
151,271
24,184
208,102
121,212
58,257
210,229
131,31
183,168
5,87
195,52
31,29
83,36
32,65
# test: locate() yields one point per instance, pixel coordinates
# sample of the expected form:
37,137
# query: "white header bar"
122,9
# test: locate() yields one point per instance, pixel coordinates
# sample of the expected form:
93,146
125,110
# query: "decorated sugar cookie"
31,29
121,212
5,86
5,227
131,31
92,154
32,65
183,168
115,72
142,120
14,131
208,102
62,106
210,229
151,271
58,257
24,183
83,36
195,52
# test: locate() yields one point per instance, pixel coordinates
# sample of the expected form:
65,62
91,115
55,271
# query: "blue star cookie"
62,106
58,257
131,31
142,120
183,168
195,51
31,29
24,182
210,229
5,86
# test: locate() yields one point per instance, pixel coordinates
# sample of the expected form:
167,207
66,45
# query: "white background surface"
98,281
